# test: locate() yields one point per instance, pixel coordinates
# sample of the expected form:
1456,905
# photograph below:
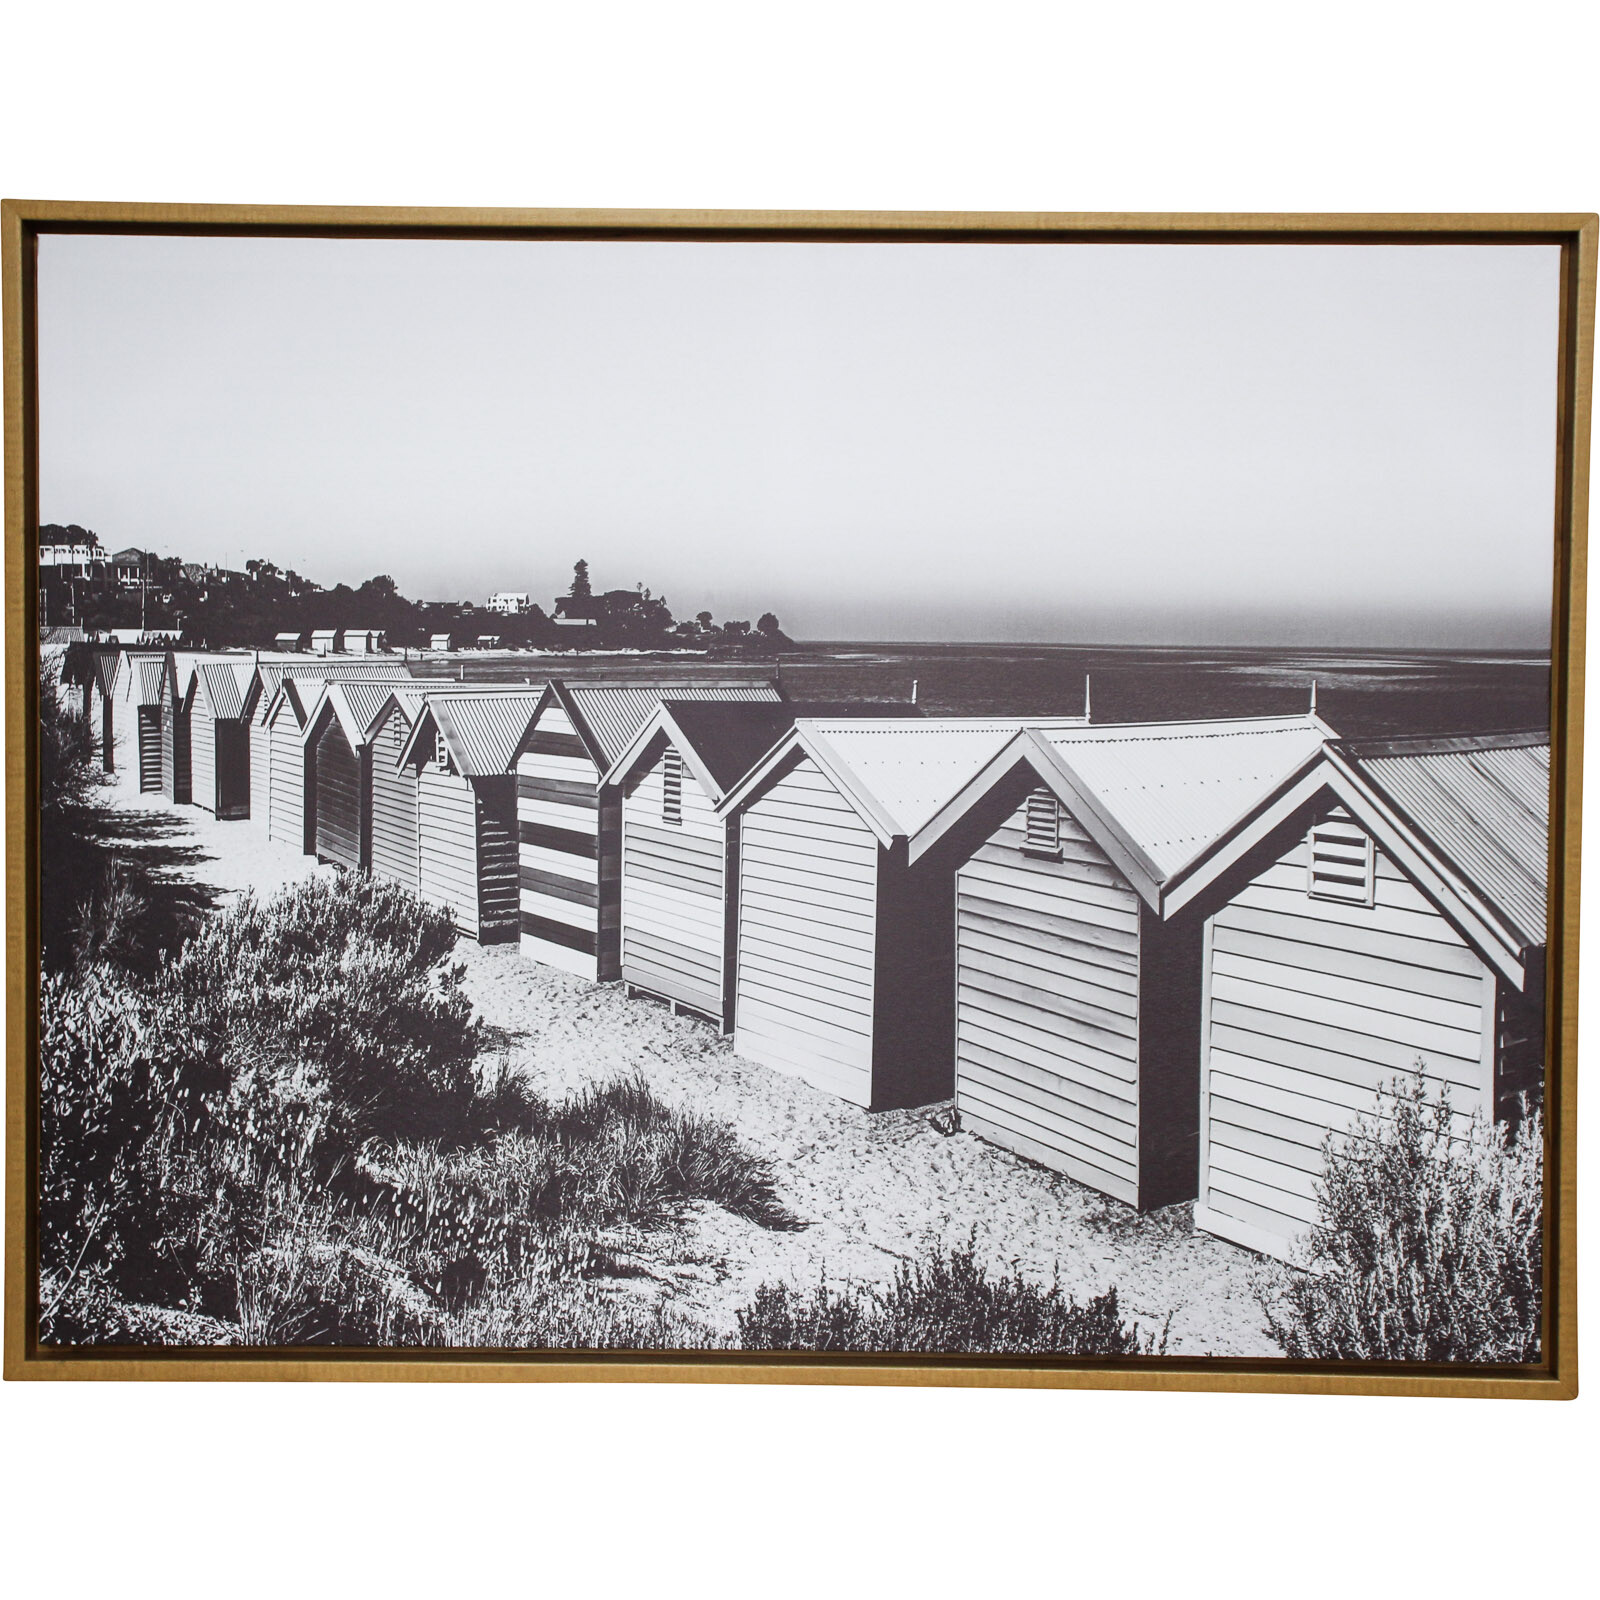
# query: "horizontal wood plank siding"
1311,1007
338,797
806,969
558,829
394,803
447,829
673,908
260,773
1047,1027
286,756
203,757
175,753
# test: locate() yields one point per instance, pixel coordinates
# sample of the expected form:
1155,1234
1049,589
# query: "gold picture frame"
22,222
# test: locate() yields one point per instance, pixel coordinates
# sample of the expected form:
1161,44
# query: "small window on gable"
1340,862
1042,828
441,752
672,786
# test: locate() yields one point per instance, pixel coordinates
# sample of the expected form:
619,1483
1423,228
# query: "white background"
367,1490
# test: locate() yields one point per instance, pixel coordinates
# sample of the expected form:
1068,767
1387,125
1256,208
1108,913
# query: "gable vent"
1340,862
441,752
1042,836
672,786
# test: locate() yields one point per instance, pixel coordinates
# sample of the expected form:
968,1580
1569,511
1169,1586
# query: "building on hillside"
130,567
461,756
70,552
1385,914
509,602
1073,855
845,961
570,827
680,866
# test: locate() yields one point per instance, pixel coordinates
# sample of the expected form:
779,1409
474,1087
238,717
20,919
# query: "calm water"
1360,693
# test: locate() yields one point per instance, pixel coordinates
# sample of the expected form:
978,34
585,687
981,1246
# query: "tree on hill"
580,580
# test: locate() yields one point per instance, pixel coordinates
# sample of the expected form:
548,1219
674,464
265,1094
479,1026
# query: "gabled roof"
148,672
723,740
606,716
482,731
355,702
897,773
221,685
107,670
1482,804
271,671
184,667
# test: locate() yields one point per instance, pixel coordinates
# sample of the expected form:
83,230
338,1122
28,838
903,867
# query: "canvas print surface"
951,798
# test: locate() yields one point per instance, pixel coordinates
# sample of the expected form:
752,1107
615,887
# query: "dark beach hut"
1078,963
336,739
460,755
571,832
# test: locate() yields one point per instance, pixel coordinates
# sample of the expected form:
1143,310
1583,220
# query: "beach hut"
327,641
337,745
1392,916
679,854
1074,854
176,682
106,672
439,641
571,833
845,943
460,757
275,751
142,679
219,738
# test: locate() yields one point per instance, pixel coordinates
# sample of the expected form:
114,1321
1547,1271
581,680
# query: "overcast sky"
1251,444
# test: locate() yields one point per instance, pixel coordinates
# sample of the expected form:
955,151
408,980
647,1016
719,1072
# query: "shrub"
340,979
1430,1243
945,1303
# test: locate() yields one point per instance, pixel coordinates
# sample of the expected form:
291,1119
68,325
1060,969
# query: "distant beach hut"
460,755
327,641
1076,857
290,641
571,833
679,855
439,641
1387,910
845,959
219,738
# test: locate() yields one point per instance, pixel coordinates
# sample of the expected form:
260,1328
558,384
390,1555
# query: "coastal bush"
1430,1243
945,1303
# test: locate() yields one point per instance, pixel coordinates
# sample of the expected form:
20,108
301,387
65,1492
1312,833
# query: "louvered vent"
672,786
1043,831
1339,864
441,752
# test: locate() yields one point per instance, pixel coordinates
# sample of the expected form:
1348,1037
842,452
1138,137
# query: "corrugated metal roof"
224,684
1173,789
905,770
152,671
107,669
1484,805
269,674
612,713
483,731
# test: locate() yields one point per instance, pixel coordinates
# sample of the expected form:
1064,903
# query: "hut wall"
447,826
1310,1006
149,749
673,906
808,884
336,786
286,821
394,804
562,895
495,800
175,752
1047,1013
260,771
108,746
232,757
202,756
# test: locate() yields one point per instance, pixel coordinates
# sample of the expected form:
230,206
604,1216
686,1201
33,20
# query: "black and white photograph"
981,798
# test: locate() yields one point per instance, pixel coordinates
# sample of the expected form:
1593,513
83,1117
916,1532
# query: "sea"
1359,693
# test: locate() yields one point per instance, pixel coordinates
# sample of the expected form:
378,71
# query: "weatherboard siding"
1310,1007
203,757
394,804
175,753
1047,1006
261,772
674,911
286,758
562,879
808,886
448,856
